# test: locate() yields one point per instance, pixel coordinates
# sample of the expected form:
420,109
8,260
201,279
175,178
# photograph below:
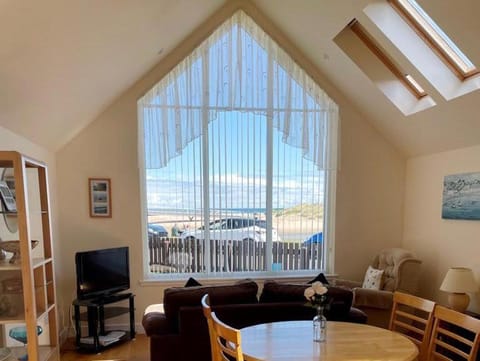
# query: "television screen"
102,272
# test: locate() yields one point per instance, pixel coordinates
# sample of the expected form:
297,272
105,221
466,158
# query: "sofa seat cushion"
174,298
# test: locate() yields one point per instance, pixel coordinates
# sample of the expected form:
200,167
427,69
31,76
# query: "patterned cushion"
373,278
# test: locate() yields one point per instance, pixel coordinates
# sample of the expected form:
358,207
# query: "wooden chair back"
228,340
455,336
207,312
412,316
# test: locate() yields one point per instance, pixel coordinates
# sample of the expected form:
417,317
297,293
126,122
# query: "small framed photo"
8,197
100,197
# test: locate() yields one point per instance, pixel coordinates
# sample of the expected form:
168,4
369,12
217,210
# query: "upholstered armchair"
401,272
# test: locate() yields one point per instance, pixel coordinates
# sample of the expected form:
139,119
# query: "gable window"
238,148
435,37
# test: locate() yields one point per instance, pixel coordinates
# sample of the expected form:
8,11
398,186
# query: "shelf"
45,312
36,262
109,312
6,266
45,352
90,347
9,213
20,318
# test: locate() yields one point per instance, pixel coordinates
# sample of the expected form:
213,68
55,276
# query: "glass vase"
319,326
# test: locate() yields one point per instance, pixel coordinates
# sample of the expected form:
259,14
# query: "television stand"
95,317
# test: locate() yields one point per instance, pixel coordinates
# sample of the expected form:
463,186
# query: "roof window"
435,37
406,79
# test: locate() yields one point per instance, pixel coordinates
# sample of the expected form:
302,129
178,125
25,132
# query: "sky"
237,170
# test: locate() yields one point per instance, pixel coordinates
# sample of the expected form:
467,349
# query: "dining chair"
455,336
228,342
412,316
207,312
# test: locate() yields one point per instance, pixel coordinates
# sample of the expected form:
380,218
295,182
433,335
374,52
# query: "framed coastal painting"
461,196
100,197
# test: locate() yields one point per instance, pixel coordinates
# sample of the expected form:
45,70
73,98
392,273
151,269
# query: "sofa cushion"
174,298
340,299
320,278
274,291
192,282
373,278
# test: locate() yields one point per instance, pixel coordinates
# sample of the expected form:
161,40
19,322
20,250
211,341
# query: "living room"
392,168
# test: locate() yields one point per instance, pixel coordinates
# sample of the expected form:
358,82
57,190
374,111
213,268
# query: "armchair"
401,273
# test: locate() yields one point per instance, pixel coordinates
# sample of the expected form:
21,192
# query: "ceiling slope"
63,62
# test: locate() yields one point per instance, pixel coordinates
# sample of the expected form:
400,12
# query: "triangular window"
239,148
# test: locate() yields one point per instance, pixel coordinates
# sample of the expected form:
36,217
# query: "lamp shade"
459,280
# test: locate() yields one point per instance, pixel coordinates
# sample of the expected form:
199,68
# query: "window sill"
169,282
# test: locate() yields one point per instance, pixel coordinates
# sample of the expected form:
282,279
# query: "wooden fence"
175,255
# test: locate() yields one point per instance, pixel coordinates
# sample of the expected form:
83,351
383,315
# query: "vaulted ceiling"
63,62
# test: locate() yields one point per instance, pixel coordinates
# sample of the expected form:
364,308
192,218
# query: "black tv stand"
96,315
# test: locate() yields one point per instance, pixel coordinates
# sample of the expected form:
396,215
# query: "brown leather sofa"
178,331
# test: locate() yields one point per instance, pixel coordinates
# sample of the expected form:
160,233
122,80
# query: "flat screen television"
102,272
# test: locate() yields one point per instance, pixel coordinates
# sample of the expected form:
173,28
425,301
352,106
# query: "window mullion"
205,160
269,165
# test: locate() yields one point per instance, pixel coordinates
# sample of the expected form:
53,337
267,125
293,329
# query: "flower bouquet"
317,297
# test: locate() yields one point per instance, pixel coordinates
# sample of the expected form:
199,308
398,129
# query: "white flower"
319,288
309,293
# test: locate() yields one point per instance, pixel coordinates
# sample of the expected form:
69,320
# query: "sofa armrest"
339,282
154,321
364,297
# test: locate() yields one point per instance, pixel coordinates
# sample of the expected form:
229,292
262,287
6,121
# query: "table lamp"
457,281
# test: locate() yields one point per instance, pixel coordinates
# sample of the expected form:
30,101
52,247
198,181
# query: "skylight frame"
406,79
435,37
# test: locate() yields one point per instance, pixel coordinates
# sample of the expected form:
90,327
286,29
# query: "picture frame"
8,198
461,196
100,195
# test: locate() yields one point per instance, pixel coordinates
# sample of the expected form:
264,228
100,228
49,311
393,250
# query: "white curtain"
239,68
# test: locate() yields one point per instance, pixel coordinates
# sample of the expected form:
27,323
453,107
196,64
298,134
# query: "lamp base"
458,301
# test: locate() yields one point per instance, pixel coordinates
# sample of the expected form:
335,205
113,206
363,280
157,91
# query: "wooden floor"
134,350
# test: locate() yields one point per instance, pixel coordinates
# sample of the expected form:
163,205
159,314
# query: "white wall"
440,243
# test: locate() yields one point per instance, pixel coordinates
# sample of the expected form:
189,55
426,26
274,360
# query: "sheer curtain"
238,68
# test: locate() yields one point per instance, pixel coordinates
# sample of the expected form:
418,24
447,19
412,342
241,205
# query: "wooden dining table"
293,340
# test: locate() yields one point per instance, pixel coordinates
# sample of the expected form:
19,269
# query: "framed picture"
100,197
8,198
461,196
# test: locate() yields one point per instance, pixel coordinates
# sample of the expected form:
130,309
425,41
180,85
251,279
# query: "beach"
289,225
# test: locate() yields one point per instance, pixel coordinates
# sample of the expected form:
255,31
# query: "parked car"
232,229
316,238
156,230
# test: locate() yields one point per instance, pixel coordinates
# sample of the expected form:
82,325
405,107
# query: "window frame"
406,79
328,257
425,32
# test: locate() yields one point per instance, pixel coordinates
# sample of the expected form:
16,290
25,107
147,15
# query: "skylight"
435,36
407,80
